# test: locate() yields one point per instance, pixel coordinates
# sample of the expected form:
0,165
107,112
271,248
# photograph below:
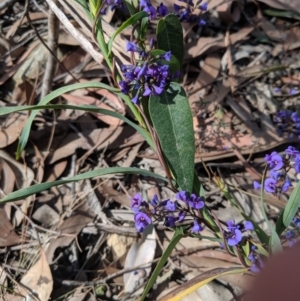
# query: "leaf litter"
82,234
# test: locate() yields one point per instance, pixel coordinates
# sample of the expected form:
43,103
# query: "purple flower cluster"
160,11
149,77
292,235
171,212
256,263
287,122
234,234
278,180
186,13
113,4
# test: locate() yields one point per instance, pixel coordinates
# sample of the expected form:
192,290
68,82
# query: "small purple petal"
142,220
270,185
196,227
234,238
256,185
248,225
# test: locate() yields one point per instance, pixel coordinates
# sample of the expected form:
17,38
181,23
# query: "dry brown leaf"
11,128
207,263
273,33
293,5
71,226
83,100
7,180
101,137
291,42
8,237
37,281
203,44
56,171
209,71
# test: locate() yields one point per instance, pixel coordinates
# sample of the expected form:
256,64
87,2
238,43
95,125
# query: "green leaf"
170,36
25,192
275,243
282,13
292,206
172,119
87,108
132,20
178,234
26,131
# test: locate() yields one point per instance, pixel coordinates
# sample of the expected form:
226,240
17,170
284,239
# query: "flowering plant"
149,85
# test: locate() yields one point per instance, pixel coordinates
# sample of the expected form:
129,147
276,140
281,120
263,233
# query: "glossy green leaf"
178,234
292,206
87,108
25,192
172,119
170,36
132,20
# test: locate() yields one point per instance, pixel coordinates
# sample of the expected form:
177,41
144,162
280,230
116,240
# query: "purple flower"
148,8
132,47
234,237
277,90
196,227
295,117
234,234
296,221
270,185
297,163
136,202
286,185
256,263
169,205
275,161
125,87
293,91
170,221
167,56
201,22
256,185
135,99
292,151
154,202
203,6
182,196
248,226
195,202
275,174
291,238
142,220
162,10
181,216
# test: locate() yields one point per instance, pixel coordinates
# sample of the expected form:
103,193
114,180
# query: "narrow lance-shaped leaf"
23,193
172,119
87,108
292,206
178,234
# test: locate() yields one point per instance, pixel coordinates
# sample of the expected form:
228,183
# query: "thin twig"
82,40
53,33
